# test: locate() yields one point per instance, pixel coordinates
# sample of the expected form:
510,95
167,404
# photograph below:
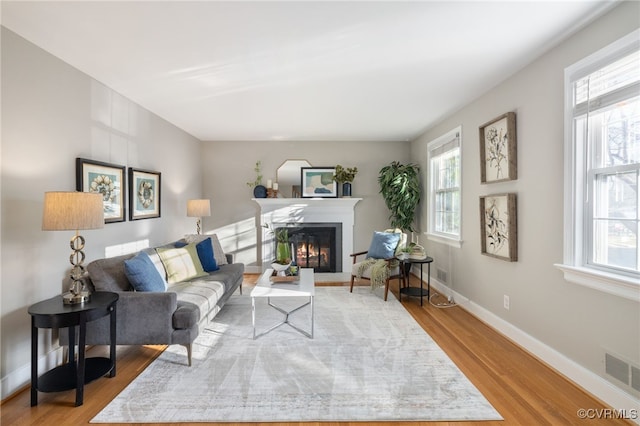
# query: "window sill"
444,240
621,286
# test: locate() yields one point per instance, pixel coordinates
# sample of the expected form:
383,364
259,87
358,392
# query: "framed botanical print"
498,153
318,182
106,179
499,227
144,194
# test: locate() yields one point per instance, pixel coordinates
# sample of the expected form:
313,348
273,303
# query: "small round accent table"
53,313
416,291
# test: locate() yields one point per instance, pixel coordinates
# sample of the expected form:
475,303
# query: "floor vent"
622,370
442,275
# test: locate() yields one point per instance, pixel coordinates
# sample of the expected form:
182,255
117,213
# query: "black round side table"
53,313
416,291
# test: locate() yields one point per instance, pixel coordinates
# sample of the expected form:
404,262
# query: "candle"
269,183
275,186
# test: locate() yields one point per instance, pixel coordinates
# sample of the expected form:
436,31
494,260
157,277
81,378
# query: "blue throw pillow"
142,273
205,254
383,245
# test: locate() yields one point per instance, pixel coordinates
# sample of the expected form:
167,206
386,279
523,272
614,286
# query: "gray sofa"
174,316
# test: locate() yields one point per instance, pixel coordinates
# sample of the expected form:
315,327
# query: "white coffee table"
305,287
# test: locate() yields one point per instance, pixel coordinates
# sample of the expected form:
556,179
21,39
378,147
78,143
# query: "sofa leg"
240,289
188,346
351,289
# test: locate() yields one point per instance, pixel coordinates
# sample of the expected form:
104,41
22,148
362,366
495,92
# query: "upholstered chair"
379,265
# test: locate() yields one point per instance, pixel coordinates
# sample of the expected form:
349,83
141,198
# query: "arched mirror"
288,177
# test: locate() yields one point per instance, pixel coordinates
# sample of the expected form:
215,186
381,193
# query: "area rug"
369,360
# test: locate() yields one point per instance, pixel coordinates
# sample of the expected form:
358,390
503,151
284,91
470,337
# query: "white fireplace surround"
277,212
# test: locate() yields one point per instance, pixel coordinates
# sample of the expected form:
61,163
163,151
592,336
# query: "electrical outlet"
506,302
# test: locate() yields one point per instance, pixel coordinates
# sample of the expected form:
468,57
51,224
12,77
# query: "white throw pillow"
218,253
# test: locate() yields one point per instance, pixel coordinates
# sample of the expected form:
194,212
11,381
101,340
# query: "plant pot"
283,254
346,189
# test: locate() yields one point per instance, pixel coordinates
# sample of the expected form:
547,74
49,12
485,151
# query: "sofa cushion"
205,254
181,263
108,274
227,274
218,253
142,273
202,293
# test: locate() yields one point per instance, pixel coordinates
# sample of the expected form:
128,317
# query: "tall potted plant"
345,176
400,188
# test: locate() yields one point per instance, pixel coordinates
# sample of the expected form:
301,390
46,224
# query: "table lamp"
72,211
199,209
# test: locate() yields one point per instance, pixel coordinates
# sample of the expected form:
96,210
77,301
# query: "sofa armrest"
141,318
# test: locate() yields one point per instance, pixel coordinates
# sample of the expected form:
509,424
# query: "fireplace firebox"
317,246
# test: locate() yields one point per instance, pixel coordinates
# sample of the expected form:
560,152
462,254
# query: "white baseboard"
596,385
18,379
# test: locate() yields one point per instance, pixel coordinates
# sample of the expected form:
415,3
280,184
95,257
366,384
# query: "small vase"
260,191
346,189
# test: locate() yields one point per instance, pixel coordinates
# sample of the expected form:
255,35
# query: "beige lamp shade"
198,208
72,211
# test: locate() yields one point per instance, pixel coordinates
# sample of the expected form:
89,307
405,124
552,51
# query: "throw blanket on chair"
379,271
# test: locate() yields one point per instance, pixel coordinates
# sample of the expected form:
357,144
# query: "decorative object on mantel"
199,209
259,190
272,189
288,177
107,180
400,188
144,194
345,176
72,211
498,153
317,182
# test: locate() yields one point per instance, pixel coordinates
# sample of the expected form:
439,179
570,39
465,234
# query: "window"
602,166
444,160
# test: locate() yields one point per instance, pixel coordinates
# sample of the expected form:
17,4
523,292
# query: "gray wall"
227,166
578,322
51,114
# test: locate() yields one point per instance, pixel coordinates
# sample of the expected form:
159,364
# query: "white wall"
577,322
227,166
51,114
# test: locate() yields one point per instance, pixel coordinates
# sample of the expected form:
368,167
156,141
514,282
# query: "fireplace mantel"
307,202
291,211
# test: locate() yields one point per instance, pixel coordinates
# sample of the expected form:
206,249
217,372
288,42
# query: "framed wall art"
109,180
498,153
318,182
499,227
144,194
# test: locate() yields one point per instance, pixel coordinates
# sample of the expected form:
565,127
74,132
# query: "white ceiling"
299,70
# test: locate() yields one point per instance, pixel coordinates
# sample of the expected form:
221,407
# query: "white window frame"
574,266
433,146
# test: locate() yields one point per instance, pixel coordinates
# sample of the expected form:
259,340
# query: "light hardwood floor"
523,389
